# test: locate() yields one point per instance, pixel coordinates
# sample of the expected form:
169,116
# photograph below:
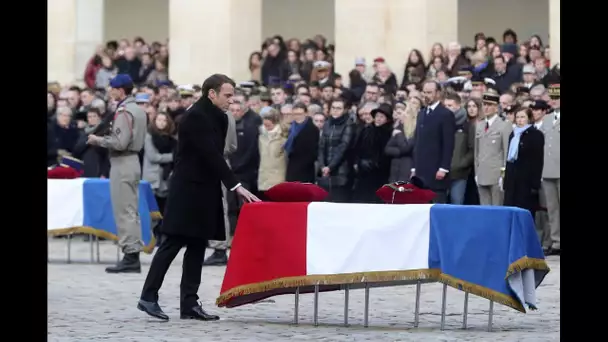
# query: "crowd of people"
478,124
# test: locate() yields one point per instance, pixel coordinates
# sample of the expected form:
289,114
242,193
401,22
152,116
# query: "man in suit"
193,212
551,170
434,142
491,148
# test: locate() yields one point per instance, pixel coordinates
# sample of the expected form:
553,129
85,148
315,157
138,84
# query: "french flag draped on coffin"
83,205
491,252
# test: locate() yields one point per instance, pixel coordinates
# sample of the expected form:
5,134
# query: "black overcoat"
523,177
434,145
301,160
194,204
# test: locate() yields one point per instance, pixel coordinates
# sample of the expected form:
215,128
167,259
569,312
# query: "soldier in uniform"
551,174
124,142
186,94
491,147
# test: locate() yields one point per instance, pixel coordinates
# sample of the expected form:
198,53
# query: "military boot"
129,264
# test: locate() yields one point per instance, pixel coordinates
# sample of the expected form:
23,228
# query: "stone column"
75,28
390,29
89,33
210,36
554,31
61,38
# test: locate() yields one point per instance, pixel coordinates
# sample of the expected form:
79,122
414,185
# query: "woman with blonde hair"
273,160
400,146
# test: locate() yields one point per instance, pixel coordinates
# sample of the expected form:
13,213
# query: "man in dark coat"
302,152
193,212
434,144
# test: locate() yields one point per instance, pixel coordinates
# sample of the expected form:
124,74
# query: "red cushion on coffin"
296,192
404,193
61,172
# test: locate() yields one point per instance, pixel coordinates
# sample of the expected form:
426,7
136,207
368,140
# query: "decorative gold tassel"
388,276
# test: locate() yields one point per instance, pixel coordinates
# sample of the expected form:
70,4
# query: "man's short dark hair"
76,89
437,85
338,99
94,110
501,57
300,105
215,83
454,97
302,86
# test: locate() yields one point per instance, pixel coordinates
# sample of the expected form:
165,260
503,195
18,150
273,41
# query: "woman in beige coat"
273,160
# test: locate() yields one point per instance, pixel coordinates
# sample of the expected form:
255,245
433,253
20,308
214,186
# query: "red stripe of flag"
269,243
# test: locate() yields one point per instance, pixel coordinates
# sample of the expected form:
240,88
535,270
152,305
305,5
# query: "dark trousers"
441,196
338,194
192,267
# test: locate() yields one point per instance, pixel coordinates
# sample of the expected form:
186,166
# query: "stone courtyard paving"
86,304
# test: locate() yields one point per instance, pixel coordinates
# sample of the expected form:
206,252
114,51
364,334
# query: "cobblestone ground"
86,304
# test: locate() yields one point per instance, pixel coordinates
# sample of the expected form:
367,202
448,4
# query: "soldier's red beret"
404,193
63,172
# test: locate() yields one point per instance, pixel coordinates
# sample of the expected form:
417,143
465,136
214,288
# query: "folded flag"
68,168
83,205
491,252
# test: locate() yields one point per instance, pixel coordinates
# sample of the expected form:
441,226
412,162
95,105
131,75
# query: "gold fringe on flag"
385,276
155,215
525,263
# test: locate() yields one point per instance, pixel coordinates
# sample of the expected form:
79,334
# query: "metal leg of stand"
490,315
443,303
346,293
315,315
97,244
366,309
92,247
466,310
69,238
296,306
417,307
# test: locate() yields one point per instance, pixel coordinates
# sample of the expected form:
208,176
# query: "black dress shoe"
152,309
198,313
218,258
554,251
129,264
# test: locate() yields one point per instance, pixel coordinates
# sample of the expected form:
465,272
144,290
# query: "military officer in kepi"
124,141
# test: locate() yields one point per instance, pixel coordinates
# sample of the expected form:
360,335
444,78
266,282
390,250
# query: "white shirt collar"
434,105
491,120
